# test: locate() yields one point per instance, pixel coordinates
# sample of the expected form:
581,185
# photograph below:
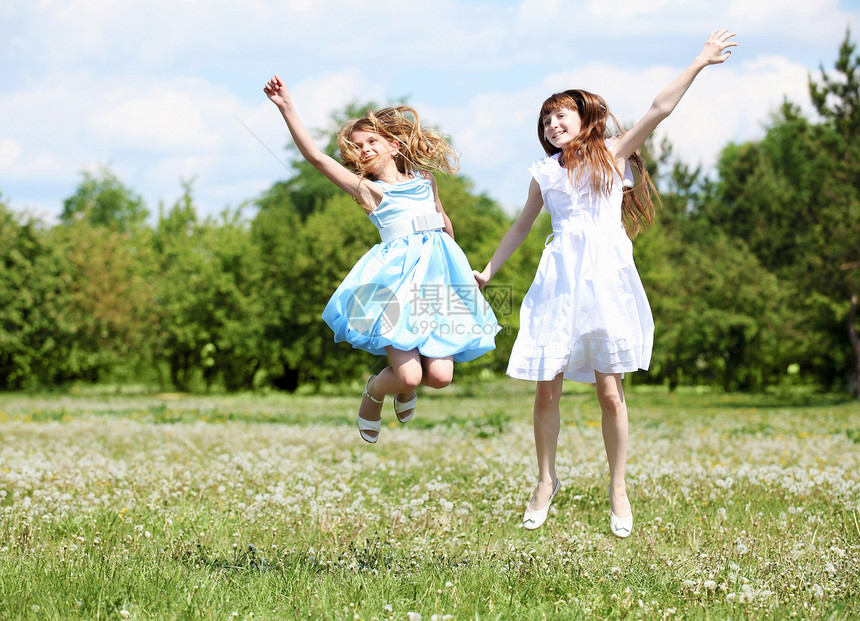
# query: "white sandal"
365,424
405,406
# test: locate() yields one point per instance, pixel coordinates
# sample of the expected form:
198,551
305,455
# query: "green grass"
270,506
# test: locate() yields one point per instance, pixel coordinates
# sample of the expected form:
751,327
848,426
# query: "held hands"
481,279
277,91
715,51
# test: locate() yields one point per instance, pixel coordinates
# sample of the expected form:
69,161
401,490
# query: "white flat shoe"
621,527
533,520
365,424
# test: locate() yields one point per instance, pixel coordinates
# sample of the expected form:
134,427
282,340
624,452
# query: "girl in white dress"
586,316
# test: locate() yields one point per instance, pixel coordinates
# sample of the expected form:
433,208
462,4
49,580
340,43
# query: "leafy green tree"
209,298
709,296
793,199
107,248
102,200
34,332
236,303
180,277
771,195
80,302
770,192
110,299
837,99
305,262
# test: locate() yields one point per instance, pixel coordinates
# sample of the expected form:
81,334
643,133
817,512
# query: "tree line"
753,275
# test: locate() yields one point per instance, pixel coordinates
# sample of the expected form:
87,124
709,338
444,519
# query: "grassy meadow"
144,506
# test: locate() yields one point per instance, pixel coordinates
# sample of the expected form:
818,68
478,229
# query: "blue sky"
161,90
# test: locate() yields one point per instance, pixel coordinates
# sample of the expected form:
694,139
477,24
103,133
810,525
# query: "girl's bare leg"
610,394
402,377
547,421
404,374
438,372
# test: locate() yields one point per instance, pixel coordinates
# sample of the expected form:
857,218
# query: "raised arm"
279,94
714,52
514,237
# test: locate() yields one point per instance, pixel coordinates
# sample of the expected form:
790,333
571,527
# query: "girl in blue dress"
411,297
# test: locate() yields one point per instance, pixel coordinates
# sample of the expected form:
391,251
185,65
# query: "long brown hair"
588,151
420,148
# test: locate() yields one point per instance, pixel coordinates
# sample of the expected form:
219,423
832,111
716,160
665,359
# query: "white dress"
586,310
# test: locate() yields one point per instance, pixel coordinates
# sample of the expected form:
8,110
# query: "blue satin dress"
415,289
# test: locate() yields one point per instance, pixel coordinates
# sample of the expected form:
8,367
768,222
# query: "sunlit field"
272,507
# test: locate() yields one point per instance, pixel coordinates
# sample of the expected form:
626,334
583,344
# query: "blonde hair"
588,151
420,148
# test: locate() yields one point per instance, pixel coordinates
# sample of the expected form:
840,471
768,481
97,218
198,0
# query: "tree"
102,200
110,298
33,327
209,298
107,248
304,264
719,314
76,302
793,199
837,100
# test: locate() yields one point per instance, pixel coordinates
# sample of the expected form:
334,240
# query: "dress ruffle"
416,292
549,174
578,363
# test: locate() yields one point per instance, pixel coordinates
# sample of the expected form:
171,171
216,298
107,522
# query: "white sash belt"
408,226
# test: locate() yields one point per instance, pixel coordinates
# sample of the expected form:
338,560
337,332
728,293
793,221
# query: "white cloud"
163,119
630,11
791,16
9,152
727,103
25,163
159,89
733,106
318,97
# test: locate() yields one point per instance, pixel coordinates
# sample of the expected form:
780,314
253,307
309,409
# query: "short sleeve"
627,178
628,181
548,173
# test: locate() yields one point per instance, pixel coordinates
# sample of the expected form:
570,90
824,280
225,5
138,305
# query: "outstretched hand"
715,50
277,91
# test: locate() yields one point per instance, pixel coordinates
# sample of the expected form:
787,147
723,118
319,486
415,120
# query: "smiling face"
373,151
563,118
561,126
